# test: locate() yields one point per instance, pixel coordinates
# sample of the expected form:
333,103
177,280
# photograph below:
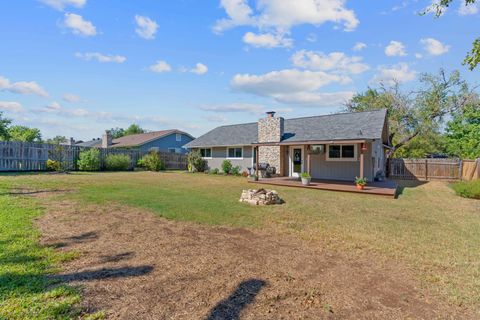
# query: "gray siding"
341,170
220,153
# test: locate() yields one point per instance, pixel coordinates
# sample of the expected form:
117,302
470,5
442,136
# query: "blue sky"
78,67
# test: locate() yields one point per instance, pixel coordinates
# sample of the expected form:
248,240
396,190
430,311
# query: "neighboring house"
166,140
337,147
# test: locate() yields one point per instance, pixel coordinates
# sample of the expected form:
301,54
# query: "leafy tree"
416,113
24,134
4,124
463,132
89,160
117,132
432,142
473,57
134,129
57,140
196,162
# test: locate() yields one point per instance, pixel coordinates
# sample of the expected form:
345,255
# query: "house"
334,147
165,140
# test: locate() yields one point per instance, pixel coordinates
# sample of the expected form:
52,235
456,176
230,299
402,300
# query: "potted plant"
361,183
306,178
254,177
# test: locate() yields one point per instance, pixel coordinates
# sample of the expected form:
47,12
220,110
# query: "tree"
24,134
463,132
473,57
134,129
4,124
57,140
416,113
117,132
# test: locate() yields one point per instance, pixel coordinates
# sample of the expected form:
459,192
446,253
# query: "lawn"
435,233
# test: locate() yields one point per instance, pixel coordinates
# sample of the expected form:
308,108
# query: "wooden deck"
386,188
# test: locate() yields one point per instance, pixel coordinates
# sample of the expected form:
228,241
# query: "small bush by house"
467,189
227,166
152,162
89,160
53,165
117,162
196,162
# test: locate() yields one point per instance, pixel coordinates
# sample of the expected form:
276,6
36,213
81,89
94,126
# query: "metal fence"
428,169
27,156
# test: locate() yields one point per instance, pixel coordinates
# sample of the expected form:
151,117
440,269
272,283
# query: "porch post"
309,159
256,161
362,162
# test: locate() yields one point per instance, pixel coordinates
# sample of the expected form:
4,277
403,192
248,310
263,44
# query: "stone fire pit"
260,197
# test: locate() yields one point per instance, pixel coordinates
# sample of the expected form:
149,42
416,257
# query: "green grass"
25,290
467,189
429,229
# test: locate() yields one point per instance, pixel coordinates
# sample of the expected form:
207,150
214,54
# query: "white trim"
211,153
234,158
290,161
178,137
355,153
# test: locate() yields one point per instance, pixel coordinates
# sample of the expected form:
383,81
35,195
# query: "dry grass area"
181,246
134,265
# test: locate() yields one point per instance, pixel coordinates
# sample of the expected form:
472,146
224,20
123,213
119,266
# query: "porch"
384,188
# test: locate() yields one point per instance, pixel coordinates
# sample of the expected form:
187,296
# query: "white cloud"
215,118
267,40
395,48
70,97
88,56
281,15
418,55
160,66
235,107
54,106
79,26
400,72
312,37
22,87
323,99
359,46
61,4
199,69
337,62
471,9
434,47
11,106
290,85
146,27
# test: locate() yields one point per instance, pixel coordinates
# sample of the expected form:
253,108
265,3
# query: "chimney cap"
270,114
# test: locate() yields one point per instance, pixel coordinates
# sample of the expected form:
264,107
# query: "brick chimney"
107,139
270,129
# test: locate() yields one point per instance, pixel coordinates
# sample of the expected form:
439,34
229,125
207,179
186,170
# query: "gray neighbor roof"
341,126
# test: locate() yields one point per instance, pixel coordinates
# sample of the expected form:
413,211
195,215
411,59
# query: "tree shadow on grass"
231,307
26,192
103,273
407,184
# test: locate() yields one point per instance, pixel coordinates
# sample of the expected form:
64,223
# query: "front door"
296,161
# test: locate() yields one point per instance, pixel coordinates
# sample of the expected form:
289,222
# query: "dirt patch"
135,265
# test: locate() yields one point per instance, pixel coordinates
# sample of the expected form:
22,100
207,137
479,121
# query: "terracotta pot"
360,186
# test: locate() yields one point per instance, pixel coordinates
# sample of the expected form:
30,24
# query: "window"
171,150
206,152
343,152
234,153
178,137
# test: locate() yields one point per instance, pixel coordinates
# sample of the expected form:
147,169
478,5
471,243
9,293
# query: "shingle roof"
341,126
133,140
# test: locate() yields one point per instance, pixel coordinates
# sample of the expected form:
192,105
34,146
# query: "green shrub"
89,160
117,162
236,171
227,166
467,189
214,171
196,162
152,162
53,165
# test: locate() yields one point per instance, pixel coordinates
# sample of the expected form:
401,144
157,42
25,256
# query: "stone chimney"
71,141
106,139
270,129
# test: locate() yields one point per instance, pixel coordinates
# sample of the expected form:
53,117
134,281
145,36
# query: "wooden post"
256,161
362,162
426,169
309,160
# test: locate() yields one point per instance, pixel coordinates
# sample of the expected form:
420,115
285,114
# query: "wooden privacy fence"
426,169
26,156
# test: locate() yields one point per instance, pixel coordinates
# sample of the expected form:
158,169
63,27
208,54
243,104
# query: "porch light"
364,147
